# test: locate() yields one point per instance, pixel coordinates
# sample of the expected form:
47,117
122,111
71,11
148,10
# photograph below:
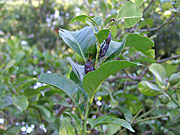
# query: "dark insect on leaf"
108,39
88,67
103,48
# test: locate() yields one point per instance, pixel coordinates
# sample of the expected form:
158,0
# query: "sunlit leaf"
93,80
131,14
80,41
160,74
110,120
140,43
149,89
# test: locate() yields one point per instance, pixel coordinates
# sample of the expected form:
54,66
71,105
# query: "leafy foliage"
37,84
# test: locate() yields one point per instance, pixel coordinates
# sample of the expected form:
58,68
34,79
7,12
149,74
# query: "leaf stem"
85,118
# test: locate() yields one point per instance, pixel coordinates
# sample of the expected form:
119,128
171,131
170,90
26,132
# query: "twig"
147,6
147,132
159,27
163,60
123,91
62,108
151,118
136,116
147,113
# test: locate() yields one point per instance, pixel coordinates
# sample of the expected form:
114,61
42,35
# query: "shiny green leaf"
80,41
130,18
140,43
93,80
159,73
149,89
110,120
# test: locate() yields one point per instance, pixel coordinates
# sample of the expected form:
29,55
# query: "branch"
157,28
147,6
62,108
151,118
163,60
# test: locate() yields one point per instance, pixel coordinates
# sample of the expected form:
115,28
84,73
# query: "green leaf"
77,123
80,41
131,14
43,110
145,22
166,4
66,128
20,102
110,120
10,64
139,2
159,73
126,112
149,89
102,35
84,19
98,20
114,50
93,80
66,85
77,69
174,114
140,43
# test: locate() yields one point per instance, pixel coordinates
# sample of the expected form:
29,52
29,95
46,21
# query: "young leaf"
20,102
102,35
66,85
80,41
149,89
110,120
93,80
66,128
77,123
140,43
131,14
160,74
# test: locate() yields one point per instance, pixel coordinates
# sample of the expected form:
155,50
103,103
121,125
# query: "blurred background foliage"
30,46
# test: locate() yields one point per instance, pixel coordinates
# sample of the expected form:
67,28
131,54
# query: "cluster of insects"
103,49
